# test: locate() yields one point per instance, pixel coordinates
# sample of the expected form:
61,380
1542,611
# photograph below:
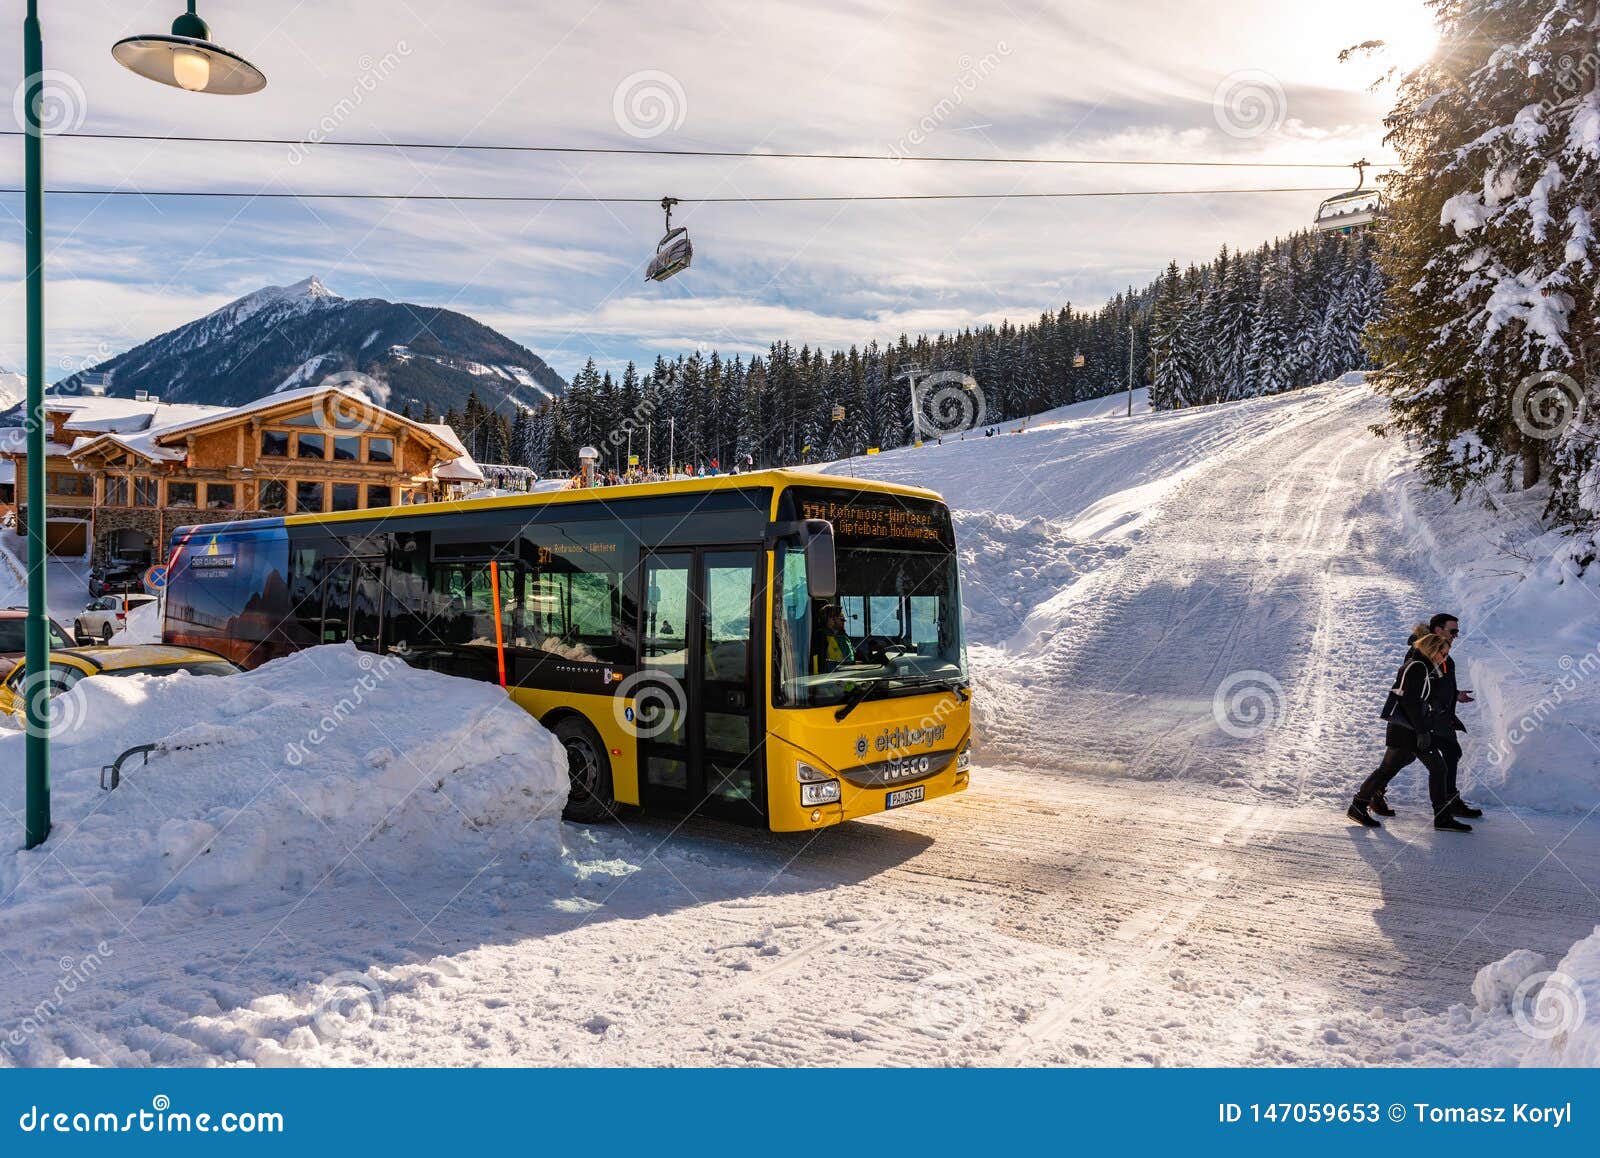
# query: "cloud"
1101,79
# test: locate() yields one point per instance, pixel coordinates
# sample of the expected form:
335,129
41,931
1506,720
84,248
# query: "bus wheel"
590,768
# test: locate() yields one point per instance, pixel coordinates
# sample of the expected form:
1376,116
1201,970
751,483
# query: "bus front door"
698,705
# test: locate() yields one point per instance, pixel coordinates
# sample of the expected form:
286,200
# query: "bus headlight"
816,786
824,792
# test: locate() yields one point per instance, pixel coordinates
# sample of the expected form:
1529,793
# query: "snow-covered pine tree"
1270,363
1490,333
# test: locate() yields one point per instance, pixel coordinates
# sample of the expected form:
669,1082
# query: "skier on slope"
1418,714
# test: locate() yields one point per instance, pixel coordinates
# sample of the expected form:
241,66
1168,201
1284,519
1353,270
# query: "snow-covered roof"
447,435
14,440
462,469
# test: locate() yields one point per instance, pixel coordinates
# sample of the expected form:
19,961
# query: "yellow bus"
782,648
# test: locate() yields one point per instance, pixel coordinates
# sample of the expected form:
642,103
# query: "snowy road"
1138,876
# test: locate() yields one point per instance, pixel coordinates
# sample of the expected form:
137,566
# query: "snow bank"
143,625
1529,646
331,760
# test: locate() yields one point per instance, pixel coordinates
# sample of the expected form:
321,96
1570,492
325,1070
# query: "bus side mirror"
822,575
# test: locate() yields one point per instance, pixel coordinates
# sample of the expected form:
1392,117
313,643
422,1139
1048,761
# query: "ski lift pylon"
673,252
1344,212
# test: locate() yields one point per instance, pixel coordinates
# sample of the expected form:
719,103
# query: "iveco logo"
907,768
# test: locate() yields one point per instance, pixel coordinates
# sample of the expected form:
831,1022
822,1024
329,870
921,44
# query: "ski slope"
1138,875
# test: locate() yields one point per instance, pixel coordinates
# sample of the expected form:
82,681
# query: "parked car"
70,665
116,578
13,641
104,617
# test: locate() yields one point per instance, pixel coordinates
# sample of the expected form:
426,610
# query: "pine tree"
1489,333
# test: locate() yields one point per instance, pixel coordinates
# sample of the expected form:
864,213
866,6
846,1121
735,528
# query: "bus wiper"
865,692
953,686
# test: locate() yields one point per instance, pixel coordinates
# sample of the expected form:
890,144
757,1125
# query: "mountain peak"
310,287
305,294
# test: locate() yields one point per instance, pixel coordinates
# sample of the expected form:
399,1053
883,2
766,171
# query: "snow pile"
331,760
143,625
1523,1013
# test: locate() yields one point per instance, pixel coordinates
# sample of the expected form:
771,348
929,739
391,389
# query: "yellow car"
68,665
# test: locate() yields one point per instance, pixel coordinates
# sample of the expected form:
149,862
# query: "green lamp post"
186,59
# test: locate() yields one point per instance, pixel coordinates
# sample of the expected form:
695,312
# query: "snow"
1181,625
303,296
302,373
315,768
13,389
143,625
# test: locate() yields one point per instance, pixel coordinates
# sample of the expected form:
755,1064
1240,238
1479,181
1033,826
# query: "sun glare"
1405,26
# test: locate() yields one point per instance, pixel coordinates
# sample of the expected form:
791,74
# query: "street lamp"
187,59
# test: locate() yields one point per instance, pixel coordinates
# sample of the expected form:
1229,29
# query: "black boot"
1380,806
1462,808
1358,813
1444,822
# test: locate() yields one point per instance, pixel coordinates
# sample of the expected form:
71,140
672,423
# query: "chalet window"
346,497
379,496
182,494
380,450
144,492
274,444
116,491
273,495
220,497
308,497
346,448
311,446
69,485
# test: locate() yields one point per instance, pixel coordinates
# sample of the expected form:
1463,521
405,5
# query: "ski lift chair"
1344,212
673,252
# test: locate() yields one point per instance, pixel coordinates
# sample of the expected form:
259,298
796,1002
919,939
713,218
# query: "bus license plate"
905,796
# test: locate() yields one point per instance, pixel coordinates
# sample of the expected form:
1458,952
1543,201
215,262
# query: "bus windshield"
894,628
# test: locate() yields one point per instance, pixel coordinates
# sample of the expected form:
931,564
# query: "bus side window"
577,605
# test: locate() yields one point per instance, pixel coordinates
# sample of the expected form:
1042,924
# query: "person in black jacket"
1417,712
1449,626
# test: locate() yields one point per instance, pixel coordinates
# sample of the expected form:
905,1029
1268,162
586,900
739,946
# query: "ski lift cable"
284,195
741,154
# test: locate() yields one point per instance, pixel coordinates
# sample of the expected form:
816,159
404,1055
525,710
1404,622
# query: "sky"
1228,80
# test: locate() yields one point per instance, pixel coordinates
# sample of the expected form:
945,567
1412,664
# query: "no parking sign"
155,579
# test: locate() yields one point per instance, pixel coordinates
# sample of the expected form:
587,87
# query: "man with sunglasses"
1448,626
